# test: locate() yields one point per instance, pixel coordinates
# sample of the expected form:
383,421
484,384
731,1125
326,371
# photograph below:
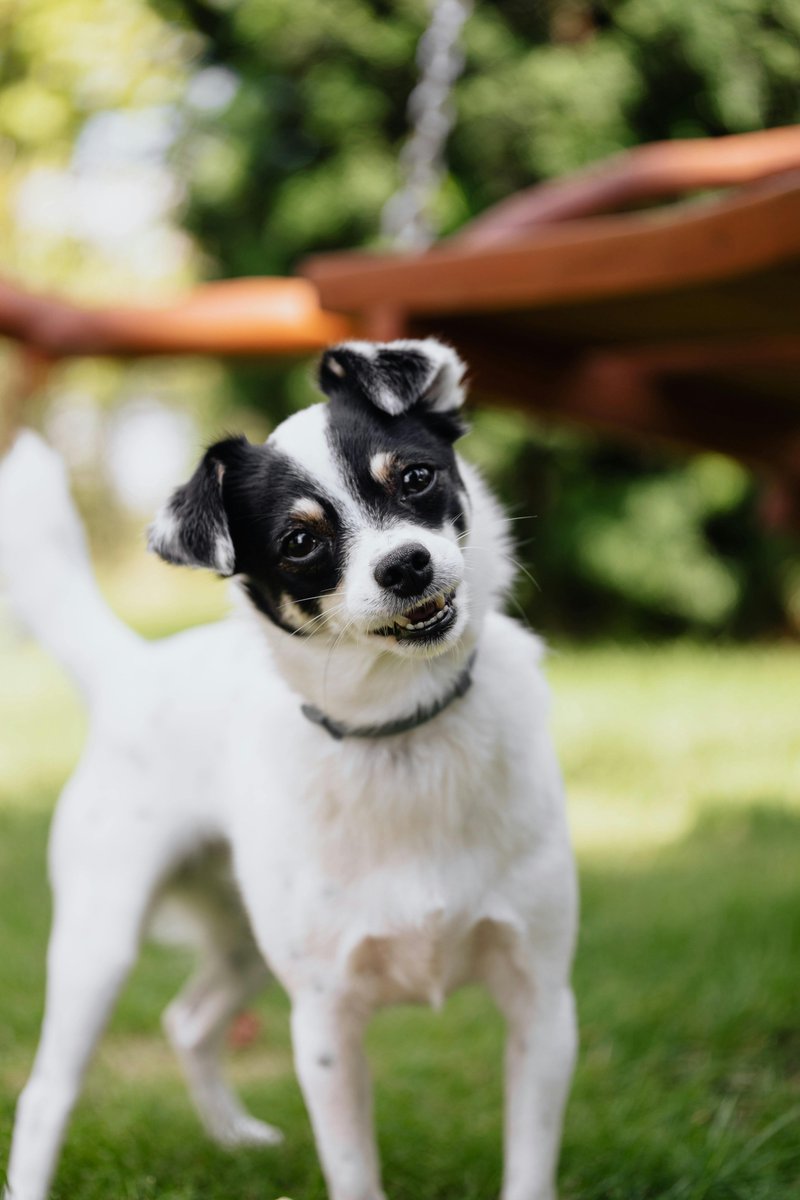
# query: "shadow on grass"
688,1086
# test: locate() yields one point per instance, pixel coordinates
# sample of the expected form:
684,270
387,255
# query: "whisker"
336,644
321,596
522,613
527,517
320,617
524,570
510,558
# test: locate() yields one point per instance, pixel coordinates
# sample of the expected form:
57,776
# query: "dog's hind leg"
98,917
231,971
196,1024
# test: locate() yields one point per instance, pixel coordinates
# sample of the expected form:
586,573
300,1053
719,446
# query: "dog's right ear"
192,529
395,377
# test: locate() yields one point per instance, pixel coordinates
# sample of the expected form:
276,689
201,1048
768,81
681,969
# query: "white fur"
302,437
49,579
371,872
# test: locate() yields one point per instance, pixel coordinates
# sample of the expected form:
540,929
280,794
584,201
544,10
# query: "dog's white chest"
387,876
422,964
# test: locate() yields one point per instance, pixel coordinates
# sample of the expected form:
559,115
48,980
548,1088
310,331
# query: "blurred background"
146,145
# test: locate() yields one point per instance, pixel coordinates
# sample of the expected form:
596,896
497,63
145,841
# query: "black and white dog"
349,784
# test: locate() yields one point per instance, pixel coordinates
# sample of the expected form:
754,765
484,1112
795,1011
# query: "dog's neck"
357,686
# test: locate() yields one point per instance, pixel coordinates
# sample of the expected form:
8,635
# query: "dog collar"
338,730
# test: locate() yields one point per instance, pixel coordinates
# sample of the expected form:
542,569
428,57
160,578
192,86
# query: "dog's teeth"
442,606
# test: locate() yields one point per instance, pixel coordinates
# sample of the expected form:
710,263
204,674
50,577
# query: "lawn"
683,766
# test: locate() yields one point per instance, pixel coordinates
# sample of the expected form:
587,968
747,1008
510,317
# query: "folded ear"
191,529
395,376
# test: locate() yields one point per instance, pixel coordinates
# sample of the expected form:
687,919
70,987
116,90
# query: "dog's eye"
417,480
299,544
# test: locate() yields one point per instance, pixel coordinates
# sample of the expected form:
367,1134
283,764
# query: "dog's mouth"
426,622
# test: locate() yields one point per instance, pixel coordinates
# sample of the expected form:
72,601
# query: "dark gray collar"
421,717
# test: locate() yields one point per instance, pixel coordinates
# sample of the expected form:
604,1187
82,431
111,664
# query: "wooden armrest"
235,317
651,172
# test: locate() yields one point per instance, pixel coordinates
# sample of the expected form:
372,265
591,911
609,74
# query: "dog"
348,785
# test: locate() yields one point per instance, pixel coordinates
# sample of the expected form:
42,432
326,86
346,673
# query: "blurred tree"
85,88
89,93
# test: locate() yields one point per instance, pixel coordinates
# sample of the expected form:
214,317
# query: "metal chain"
406,217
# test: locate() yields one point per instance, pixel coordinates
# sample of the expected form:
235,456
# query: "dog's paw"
246,1131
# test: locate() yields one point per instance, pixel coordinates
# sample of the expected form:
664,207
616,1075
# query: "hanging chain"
406,217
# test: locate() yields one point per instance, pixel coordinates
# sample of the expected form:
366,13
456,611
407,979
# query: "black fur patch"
194,529
258,501
347,374
394,377
246,493
357,432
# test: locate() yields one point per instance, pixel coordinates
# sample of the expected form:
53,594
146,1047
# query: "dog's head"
353,520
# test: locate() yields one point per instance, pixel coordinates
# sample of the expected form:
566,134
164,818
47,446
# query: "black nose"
406,571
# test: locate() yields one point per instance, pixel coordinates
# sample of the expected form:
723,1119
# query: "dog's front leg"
540,1056
327,1033
539,1008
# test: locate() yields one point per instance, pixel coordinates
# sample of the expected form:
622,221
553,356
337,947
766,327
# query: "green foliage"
305,153
618,540
61,63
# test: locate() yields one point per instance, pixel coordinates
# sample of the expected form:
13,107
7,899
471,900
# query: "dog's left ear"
192,529
395,376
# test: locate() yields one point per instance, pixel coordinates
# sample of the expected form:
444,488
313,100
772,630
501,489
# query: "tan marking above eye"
381,466
306,509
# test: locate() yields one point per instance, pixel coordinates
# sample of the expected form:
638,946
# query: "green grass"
683,767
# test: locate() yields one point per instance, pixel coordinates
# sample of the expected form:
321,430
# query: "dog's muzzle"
426,621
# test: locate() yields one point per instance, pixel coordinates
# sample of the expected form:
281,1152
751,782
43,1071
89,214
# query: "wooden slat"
235,317
585,260
656,171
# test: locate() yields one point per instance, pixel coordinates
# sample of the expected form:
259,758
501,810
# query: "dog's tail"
44,562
